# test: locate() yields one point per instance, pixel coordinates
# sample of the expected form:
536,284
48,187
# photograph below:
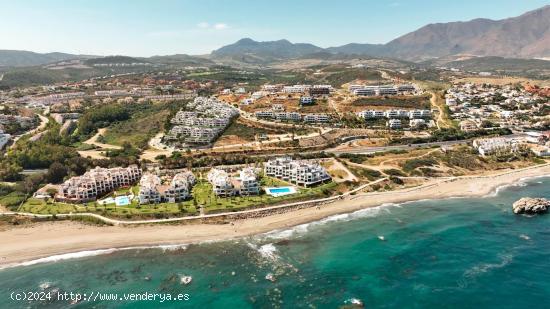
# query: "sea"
449,253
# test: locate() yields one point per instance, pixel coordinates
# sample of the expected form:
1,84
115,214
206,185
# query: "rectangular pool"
280,191
122,200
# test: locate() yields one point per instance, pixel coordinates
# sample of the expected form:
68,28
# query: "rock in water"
530,205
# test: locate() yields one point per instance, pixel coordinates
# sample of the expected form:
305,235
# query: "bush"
12,200
412,164
394,172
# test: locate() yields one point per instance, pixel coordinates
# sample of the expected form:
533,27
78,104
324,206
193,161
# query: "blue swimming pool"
280,191
122,200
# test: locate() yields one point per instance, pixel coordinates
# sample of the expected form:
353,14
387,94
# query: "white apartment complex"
202,122
96,182
152,191
489,146
394,123
301,173
225,185
395,113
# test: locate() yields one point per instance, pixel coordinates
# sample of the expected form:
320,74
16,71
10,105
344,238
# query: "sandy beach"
39,240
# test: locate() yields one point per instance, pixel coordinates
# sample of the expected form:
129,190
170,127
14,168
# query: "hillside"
525,36
248,50
181,59
115,59
534,68
23,58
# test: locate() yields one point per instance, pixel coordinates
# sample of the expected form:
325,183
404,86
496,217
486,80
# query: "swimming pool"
122,200
280,191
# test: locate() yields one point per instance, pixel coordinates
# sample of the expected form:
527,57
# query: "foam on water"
304,228
89,253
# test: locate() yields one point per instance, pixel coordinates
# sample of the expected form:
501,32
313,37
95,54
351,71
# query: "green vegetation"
412,164
203,196
100,117
12,200
451,134
363,172
145,120
114,59
247,132
421,102
394,172
339,78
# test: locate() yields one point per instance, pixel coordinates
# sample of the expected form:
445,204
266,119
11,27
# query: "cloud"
220,26
217,26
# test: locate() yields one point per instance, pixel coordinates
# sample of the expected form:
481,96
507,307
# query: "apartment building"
111,93
301,173
226,185
168,97
394,124
371,114
387,90
318,118
221,183
362,90
149,192
320,90
306,100
202,121
272,88
395,113
247,183
292,116
97,182
178,189
406,88
296,89
417,123
420,113
490,146
265,114
365,92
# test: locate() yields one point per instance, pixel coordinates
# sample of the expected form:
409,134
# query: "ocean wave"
90,253
306,227
269,251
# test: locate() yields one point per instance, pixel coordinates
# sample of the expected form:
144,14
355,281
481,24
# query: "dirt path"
93,140
337,165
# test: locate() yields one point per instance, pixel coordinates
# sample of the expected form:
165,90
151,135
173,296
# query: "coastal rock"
530,205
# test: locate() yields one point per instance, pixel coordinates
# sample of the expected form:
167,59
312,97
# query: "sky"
164,27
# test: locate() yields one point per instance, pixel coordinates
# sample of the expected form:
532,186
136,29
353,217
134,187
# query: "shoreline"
47,241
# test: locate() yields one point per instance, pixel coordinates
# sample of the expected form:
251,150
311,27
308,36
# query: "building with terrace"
96,182
302,173
152,190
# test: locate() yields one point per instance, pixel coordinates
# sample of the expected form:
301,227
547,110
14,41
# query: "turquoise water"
454,253
279,190
122,200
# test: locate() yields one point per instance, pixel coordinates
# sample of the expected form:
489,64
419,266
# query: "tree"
56,172
9,171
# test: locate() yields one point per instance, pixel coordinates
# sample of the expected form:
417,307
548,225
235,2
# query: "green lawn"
202,195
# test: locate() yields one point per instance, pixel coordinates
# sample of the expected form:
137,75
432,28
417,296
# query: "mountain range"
524,36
